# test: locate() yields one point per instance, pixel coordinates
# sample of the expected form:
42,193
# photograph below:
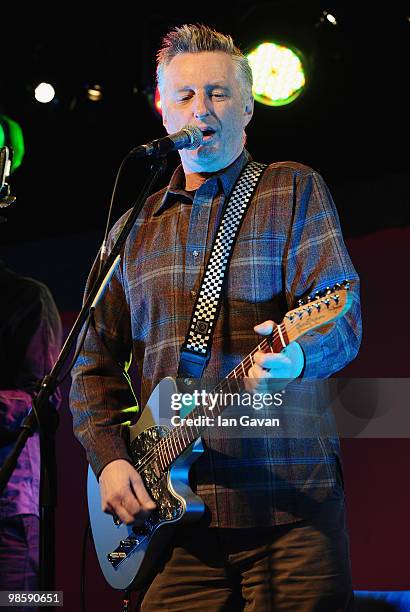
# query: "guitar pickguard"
169,507
146,462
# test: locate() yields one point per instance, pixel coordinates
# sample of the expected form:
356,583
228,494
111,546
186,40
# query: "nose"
200,106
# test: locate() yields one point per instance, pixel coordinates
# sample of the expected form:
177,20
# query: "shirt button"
195,253
193,293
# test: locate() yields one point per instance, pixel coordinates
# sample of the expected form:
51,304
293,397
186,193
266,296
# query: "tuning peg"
301,302
346,284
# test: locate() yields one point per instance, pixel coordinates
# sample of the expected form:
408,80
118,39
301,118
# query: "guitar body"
127,554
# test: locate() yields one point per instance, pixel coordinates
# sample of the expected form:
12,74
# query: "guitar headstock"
324,307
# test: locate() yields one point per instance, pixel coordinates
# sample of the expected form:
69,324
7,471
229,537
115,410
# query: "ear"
248,110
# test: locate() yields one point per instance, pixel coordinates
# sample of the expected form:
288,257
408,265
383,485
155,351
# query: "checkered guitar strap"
196,350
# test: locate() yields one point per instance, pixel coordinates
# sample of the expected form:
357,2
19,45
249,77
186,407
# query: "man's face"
202,89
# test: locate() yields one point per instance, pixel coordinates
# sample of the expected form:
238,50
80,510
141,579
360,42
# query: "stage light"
11,135
157,101
44,93
325,16
94,93
152,96
331,18
278,74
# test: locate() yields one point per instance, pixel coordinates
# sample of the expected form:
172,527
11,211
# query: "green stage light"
11,135
278,74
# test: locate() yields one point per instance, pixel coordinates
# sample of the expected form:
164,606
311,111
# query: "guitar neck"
310,314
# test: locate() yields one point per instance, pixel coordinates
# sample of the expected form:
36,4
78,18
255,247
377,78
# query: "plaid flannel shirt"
289,246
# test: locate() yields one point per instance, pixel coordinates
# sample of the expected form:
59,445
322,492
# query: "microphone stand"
47,414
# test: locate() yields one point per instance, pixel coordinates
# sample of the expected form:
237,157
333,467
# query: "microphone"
190,137
5,164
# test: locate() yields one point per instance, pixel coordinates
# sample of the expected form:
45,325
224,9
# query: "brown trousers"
302,567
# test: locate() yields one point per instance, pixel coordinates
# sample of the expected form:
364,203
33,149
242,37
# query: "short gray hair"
196,38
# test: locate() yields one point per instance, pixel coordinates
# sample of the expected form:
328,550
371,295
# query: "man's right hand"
123,493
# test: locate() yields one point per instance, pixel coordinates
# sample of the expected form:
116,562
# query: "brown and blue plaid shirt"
289,246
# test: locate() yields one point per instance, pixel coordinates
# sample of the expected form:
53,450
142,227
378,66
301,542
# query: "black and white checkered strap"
195,351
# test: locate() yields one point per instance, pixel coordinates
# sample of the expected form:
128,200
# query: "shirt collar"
226,180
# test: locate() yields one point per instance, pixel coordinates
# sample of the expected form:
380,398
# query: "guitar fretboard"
172,445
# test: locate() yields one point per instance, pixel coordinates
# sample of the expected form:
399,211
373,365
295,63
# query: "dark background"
351,125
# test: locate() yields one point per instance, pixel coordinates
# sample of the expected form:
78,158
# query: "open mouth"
208,134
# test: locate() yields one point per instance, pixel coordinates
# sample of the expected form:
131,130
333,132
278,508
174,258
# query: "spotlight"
151,93
95,93
331,18
325,16
44,93
278,73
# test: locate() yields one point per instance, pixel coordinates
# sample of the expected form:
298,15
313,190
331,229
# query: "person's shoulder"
151,204
290,167
25,288
35,287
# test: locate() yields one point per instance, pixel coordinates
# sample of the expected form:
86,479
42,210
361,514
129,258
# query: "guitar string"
165,444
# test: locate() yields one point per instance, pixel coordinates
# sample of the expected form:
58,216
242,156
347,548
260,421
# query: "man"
273,535
30,340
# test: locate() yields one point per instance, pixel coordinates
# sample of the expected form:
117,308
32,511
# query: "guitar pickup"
119,554
129,542
116,557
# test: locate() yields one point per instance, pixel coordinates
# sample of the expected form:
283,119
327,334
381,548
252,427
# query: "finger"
255,385
137,518
128,508
257,371
256,380
118,510
270,360
141,493
265,328
126,516
120,499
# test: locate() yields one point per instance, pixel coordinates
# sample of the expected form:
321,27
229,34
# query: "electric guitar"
163,454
